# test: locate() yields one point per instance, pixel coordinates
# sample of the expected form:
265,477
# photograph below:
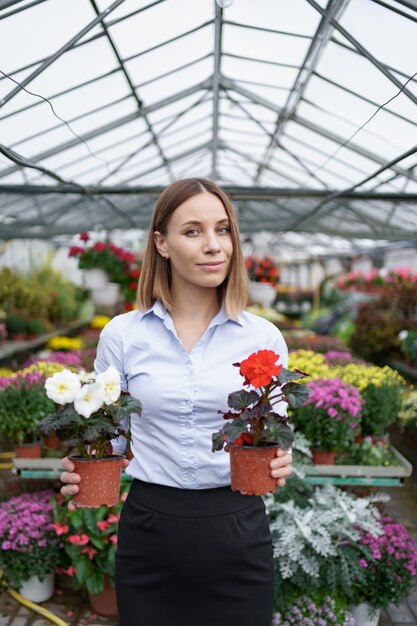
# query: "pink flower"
79,540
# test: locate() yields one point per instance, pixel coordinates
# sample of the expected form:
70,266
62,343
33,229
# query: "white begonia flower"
89,399
110,381
403,334
86,377
62,387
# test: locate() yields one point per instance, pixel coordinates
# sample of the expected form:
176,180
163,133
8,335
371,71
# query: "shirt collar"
160,311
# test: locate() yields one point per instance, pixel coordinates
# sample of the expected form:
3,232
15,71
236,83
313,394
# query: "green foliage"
91,434
22,406
377,328
367,453
43,295
381,408
89,539
409,346
316,546
252,419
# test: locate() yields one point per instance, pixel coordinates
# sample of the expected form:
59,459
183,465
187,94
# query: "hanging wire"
37,95
345,143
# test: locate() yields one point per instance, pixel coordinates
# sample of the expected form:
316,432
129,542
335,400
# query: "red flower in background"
84,236
262,269
260,367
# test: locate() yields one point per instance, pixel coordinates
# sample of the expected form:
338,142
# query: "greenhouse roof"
303,110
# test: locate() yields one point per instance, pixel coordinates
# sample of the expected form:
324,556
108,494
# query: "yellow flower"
99,321
5,372
65,343
312,363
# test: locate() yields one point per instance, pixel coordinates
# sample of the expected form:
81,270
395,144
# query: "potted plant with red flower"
263,276
89,541
254,428
88,415
116,265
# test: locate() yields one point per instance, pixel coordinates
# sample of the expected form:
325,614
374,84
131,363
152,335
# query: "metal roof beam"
321,37
177,157
338,194
218,27
238,192
110,126
363,98
50,60
382,68
135,96
19,9
229,84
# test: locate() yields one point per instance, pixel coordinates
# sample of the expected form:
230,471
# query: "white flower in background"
86,377
62,387
89,399
403,334
110,381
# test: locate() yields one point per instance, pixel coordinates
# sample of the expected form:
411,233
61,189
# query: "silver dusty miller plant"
317,546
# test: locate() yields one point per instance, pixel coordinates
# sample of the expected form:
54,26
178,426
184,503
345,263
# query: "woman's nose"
211,243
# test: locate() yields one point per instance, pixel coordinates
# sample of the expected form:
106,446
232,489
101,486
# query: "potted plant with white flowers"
88,412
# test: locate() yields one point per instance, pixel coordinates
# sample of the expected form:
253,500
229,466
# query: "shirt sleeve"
110,352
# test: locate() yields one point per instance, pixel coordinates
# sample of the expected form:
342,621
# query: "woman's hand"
281,466
71,480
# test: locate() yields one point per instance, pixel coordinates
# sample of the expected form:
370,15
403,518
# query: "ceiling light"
223,4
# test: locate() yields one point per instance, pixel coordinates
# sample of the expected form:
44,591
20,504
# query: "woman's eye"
224,230
191,232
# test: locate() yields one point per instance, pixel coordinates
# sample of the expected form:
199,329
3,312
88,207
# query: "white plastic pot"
262,293
95,278
364,615
106,296
36,590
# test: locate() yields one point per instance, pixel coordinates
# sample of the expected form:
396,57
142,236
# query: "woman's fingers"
281,466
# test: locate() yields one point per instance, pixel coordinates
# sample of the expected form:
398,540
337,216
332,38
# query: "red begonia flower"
260,367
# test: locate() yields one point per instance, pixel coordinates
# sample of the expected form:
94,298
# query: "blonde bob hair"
155,278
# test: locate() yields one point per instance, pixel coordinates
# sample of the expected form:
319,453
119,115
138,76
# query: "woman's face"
198,242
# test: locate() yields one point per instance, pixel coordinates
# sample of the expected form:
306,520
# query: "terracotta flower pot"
100,480
323,457
28,451
52,442
104,603
250,471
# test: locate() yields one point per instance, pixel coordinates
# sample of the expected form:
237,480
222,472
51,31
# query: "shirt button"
189,402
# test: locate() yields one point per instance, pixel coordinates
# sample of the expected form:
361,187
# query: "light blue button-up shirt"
181,393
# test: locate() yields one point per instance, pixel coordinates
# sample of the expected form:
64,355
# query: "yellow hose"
31,605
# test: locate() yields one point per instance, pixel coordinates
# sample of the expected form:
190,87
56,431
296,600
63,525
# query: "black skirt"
193,558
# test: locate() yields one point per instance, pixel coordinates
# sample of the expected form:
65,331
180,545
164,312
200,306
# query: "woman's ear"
160,244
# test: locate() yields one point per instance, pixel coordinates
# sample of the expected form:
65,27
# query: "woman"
190,551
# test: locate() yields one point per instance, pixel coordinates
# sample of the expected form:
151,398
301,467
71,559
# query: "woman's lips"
212,265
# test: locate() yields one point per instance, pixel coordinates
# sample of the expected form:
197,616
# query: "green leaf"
95,582
217,441
287,375
242,399
296,394
84,569
278,432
